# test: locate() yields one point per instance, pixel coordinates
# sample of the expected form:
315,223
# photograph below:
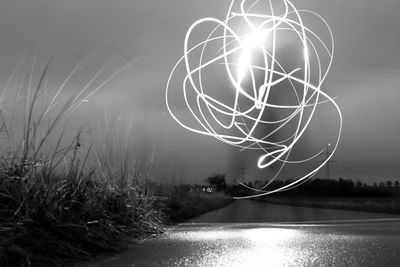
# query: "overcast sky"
365,75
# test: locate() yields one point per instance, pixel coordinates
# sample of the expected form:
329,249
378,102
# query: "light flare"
254,40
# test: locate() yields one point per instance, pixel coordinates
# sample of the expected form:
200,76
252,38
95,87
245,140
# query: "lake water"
244,211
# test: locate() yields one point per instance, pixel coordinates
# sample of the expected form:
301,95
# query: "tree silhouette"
217,181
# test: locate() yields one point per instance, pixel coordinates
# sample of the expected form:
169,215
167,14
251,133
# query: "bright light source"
255,40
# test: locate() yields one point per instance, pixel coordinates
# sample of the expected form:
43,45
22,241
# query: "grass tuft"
50,222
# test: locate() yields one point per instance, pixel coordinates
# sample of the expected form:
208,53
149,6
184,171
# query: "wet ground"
338,239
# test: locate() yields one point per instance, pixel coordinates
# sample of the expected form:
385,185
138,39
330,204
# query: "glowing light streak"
255,34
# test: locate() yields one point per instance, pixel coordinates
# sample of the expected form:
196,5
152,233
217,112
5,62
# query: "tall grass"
54,206
65,197
124,149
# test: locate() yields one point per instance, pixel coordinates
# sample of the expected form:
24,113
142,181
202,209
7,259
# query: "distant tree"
396,183
345,185
381,184
375,184
389,183
217,181
358,184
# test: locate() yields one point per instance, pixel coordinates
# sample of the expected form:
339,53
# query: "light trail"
249,49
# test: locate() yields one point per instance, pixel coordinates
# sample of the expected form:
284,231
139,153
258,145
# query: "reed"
54,206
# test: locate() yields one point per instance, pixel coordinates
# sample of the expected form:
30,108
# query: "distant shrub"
217,181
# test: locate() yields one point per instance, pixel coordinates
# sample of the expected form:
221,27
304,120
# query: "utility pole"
328,163
242,172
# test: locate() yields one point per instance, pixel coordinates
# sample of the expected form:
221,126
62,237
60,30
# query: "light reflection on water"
265,246
248,247
258,235
370,243
277,245
246,237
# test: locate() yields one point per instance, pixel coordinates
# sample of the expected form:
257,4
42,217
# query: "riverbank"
61,221
373,204
180,209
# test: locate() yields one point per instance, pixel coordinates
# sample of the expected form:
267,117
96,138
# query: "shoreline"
199,204
389,205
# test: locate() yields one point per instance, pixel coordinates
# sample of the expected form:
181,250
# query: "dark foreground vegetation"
55,221
48,222
66,199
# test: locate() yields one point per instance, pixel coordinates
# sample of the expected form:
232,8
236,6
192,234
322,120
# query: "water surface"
255,211
251,233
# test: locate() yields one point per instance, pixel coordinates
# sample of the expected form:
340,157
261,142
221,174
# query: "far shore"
389,205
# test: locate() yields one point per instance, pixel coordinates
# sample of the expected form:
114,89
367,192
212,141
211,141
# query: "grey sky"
365,75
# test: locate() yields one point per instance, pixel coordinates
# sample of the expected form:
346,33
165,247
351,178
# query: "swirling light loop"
249,47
